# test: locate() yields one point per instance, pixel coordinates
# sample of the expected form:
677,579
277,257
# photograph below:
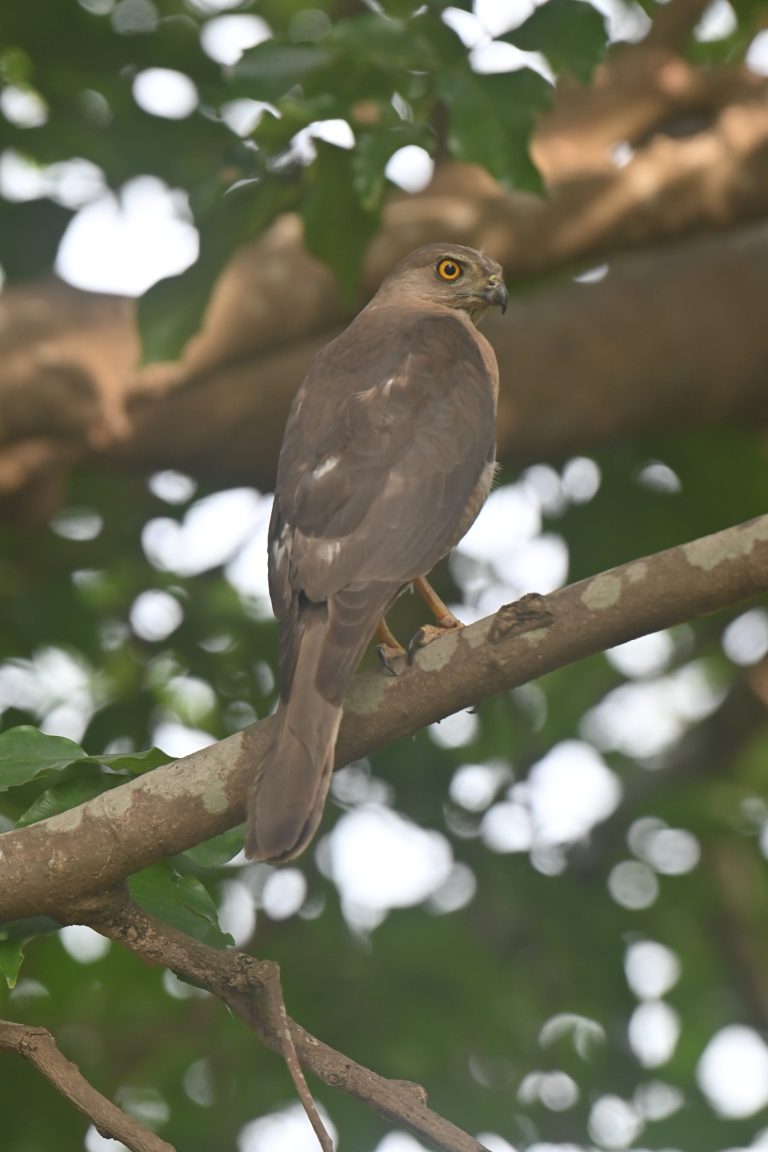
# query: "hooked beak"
496,293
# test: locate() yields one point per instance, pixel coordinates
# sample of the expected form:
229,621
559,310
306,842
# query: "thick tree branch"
38,1047
98,844
251,989
69,389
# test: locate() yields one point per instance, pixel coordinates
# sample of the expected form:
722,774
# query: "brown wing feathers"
388,442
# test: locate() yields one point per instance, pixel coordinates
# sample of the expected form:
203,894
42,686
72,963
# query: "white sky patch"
77,524
59,689
510,517
83,944
656,1100
243,115
654,1030
569,791
659,477
669,851
498,56
546,487
625,19
733,1072
225,38
457,891
212,532
378,860
581,479
172,487
643,719
556,1090
180,740
756,58
495,1143
284,893
336,132
592,275
286,1131
237,911
155,614
126,245
410,168
719,20
508,827
455,730
23,107
566,794
646,656
400,1142
634,885
584,1033
505,543
474,786
247,572
95,1142
166,93
71,183
745,639
477,31
651,969
614,1123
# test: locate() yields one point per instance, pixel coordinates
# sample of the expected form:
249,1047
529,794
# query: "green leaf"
171,311
135,763
274,67
492,118
30,234
14,937
11,959
26,753
217,851
181,901
372,153
570,33
68,794
337,227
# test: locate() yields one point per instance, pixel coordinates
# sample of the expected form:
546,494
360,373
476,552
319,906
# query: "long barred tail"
287,796
326,643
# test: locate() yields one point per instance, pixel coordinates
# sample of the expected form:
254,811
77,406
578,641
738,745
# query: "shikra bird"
388,456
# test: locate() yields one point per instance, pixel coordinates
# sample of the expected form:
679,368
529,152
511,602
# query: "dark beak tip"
500,297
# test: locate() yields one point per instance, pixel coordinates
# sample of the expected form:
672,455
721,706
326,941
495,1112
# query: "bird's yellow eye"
449,270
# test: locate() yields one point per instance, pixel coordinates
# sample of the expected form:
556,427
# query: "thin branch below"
38,1046
251,989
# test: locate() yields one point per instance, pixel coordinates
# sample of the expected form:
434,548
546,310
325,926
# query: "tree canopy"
534,917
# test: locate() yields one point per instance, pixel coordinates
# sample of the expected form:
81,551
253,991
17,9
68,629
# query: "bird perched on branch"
388,456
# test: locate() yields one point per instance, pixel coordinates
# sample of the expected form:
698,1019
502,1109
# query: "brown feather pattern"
387,457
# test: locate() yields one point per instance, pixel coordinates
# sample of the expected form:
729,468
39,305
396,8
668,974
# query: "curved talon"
387,653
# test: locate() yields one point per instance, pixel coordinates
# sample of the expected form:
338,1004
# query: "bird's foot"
388,654
429,632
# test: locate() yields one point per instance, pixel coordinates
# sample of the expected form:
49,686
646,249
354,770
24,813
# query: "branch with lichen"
98,844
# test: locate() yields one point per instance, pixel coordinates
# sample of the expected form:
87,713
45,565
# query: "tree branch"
251,989
38,1047
98,844
70,390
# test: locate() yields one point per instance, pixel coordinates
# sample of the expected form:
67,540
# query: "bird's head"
452,275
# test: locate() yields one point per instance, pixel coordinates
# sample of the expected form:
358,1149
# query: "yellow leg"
387,638
439,609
